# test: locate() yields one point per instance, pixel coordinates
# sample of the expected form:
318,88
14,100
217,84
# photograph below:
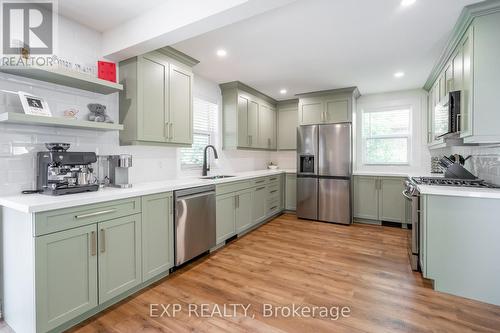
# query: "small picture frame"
34,105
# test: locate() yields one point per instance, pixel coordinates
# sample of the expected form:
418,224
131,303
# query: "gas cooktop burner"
477,183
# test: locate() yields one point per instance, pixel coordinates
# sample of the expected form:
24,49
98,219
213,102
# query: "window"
204,133
386,136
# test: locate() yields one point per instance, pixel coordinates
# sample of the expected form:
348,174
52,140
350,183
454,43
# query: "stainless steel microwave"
447,115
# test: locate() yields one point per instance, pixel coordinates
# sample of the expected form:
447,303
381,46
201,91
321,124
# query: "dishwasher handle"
192,196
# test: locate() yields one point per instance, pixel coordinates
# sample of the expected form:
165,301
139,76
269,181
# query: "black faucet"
205,167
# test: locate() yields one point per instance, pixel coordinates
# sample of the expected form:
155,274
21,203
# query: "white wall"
419,154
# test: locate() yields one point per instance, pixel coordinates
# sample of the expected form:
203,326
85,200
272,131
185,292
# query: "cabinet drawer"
273,205
259,181
63,219
274,178
232,187
274,189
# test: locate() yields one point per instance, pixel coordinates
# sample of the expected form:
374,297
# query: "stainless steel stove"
476,183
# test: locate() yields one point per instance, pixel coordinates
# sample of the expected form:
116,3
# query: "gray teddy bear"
98,113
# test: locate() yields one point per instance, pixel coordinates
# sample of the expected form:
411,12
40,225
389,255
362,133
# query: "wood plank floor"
307,263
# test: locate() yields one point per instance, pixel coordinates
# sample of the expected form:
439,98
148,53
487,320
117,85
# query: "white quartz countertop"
32,203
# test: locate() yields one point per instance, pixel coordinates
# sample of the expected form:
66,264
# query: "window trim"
408,137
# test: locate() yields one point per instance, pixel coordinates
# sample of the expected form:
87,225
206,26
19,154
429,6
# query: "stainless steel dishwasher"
194,222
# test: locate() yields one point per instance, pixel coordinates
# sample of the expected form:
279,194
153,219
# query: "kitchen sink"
217,177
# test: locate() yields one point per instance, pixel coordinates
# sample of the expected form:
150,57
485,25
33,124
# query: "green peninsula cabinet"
326,107
156,105
379,199
249,118
471,64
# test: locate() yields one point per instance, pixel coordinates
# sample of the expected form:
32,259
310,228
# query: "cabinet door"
259,204
391,201
311,113
448,78
66,276
337,111
458,70
244,205
366,197
119,256
266,126
287,129
226,215
291,192
442,87
157,235
153,81
253,124
243,136
467,84
180,105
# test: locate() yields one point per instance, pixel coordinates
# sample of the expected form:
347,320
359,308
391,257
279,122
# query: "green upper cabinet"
471,64
326,107
119,256
157,234
156,105
249,118
287,125
65,275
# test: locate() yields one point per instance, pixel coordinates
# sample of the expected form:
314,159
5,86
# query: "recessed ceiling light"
399,74
221,53
406,3
283,91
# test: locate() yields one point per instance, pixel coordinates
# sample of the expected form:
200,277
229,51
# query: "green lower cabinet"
244,205
119,243
157,235
65,275
260,204
392,202
226,217
291,192
379,198
366,197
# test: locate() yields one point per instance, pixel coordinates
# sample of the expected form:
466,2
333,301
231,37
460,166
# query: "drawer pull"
274,191
83,216
260,181
93,244
260,188
103,240
273,207
273,179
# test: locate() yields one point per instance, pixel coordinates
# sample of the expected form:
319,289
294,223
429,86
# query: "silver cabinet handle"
171,131
166,131
103,240
274,191
95,214
250,140
260,188
93,244
237,201
260,181
273,208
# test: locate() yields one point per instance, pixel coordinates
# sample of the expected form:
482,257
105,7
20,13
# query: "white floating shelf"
66,78
26,119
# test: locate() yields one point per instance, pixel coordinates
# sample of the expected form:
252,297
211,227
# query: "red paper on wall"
106,70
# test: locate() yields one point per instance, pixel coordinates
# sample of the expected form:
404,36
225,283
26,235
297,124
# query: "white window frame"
389,136
212,137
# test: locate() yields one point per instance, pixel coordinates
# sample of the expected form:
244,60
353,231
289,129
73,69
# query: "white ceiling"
102,15
312,45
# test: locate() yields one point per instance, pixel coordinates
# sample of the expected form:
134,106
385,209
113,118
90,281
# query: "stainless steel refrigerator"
324,172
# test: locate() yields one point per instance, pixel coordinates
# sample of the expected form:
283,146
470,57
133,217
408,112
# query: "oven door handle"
406,195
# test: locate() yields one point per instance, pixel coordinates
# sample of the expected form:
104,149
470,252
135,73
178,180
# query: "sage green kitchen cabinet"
324,107
379,198
260,201
291,191
392,203
180,95
244,205
225,216
119,243
466,96
65,275
157,234
366,205
267,127
287,125
156,105
249,118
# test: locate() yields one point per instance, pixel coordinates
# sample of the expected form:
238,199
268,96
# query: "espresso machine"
61,172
